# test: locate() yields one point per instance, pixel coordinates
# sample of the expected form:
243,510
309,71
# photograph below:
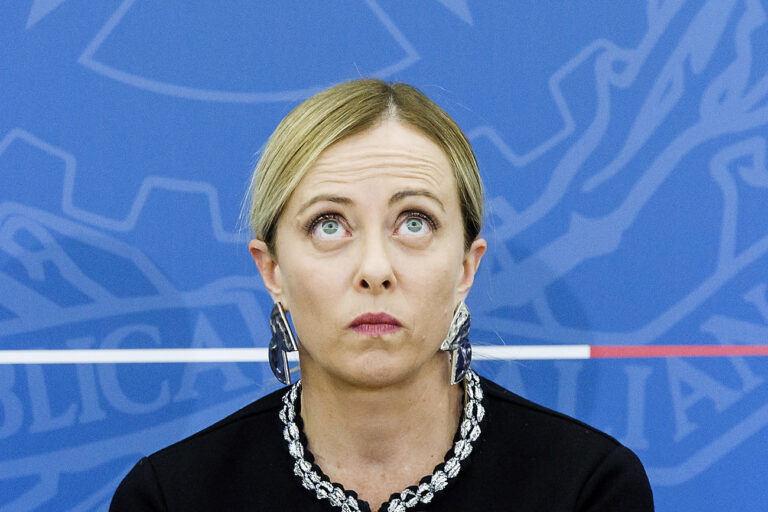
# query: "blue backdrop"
623,148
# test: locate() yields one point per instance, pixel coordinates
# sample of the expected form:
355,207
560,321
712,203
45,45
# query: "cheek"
435,270
429,285
308,290
310,286
306,279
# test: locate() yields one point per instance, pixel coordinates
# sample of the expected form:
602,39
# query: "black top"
527,458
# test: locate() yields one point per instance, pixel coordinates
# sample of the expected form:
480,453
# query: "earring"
457,344
282,342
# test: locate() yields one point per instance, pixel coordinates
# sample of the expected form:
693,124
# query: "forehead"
388,152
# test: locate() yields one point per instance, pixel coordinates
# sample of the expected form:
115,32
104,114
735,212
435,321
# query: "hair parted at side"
343,110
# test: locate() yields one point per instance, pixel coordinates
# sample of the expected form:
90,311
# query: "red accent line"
640,351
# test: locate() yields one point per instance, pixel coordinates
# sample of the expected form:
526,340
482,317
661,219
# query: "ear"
268,268
469,266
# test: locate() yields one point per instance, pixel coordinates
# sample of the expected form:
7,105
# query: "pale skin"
374,226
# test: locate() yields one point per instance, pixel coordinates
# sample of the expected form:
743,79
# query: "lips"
375,324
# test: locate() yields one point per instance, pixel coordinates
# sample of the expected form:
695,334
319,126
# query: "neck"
393,435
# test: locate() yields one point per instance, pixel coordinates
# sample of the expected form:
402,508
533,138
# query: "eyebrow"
325,197
397,196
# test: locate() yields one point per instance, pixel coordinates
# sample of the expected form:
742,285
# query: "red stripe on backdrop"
640,351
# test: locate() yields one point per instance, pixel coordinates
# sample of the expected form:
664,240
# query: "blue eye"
415,225
326,226
330,227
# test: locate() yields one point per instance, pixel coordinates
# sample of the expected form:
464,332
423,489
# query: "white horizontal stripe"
126,355
218,355
520,352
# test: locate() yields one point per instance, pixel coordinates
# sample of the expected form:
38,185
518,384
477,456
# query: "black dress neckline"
425,480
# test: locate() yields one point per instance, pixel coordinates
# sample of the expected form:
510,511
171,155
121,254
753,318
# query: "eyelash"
310,226
433,224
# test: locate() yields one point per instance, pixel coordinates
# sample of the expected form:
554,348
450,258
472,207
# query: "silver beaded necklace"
469,431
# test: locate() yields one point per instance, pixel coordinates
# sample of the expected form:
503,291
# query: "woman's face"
375,227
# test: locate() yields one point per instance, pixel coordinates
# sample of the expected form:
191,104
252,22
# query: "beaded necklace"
313,479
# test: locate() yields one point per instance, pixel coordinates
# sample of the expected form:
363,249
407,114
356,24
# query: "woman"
366,208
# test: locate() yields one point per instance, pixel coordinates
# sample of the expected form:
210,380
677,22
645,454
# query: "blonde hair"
339,112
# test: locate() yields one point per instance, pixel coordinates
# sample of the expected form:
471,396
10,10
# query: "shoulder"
557,455
235,453
256,415
242,433
512,408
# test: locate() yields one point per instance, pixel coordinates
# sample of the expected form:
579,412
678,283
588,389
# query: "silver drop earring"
282,342
456,342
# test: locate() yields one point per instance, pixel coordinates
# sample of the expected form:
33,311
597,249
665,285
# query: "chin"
374,368
377,371
375,378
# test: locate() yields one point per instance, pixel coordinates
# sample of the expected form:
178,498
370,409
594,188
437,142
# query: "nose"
375,273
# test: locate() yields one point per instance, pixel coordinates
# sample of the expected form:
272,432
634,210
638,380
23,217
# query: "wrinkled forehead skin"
390,149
